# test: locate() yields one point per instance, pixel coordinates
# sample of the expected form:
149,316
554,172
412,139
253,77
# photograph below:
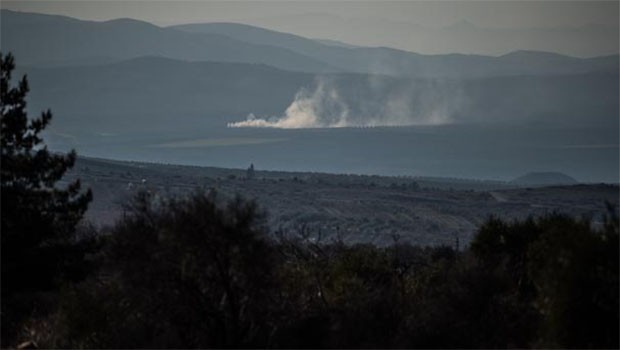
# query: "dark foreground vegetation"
201,271
198,272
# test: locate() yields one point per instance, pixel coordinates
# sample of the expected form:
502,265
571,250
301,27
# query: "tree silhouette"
38,218
187,272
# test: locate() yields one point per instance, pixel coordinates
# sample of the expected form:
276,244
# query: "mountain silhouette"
48,40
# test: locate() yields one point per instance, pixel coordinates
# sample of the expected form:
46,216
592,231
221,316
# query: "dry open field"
370,209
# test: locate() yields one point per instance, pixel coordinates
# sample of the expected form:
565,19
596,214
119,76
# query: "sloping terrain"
150,93
369,209
544,179
158,93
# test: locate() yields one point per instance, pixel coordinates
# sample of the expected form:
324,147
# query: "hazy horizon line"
319,39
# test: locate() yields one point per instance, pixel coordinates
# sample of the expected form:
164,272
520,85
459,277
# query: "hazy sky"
413,25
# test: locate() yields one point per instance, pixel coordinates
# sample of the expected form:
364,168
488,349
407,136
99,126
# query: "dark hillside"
156,93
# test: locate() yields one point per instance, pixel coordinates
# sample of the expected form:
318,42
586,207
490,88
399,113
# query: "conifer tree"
38,216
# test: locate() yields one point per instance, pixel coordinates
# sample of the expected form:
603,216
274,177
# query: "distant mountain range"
131,75
407,33
46,40
154,93
128,89
383,60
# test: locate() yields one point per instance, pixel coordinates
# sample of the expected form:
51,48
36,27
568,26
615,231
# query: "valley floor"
354,208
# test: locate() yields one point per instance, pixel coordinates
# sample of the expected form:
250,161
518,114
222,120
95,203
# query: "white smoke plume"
325,107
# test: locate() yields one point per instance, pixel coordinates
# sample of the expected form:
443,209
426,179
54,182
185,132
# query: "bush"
561,273
181,273
196,272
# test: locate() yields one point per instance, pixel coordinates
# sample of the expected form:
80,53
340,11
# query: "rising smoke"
371,102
